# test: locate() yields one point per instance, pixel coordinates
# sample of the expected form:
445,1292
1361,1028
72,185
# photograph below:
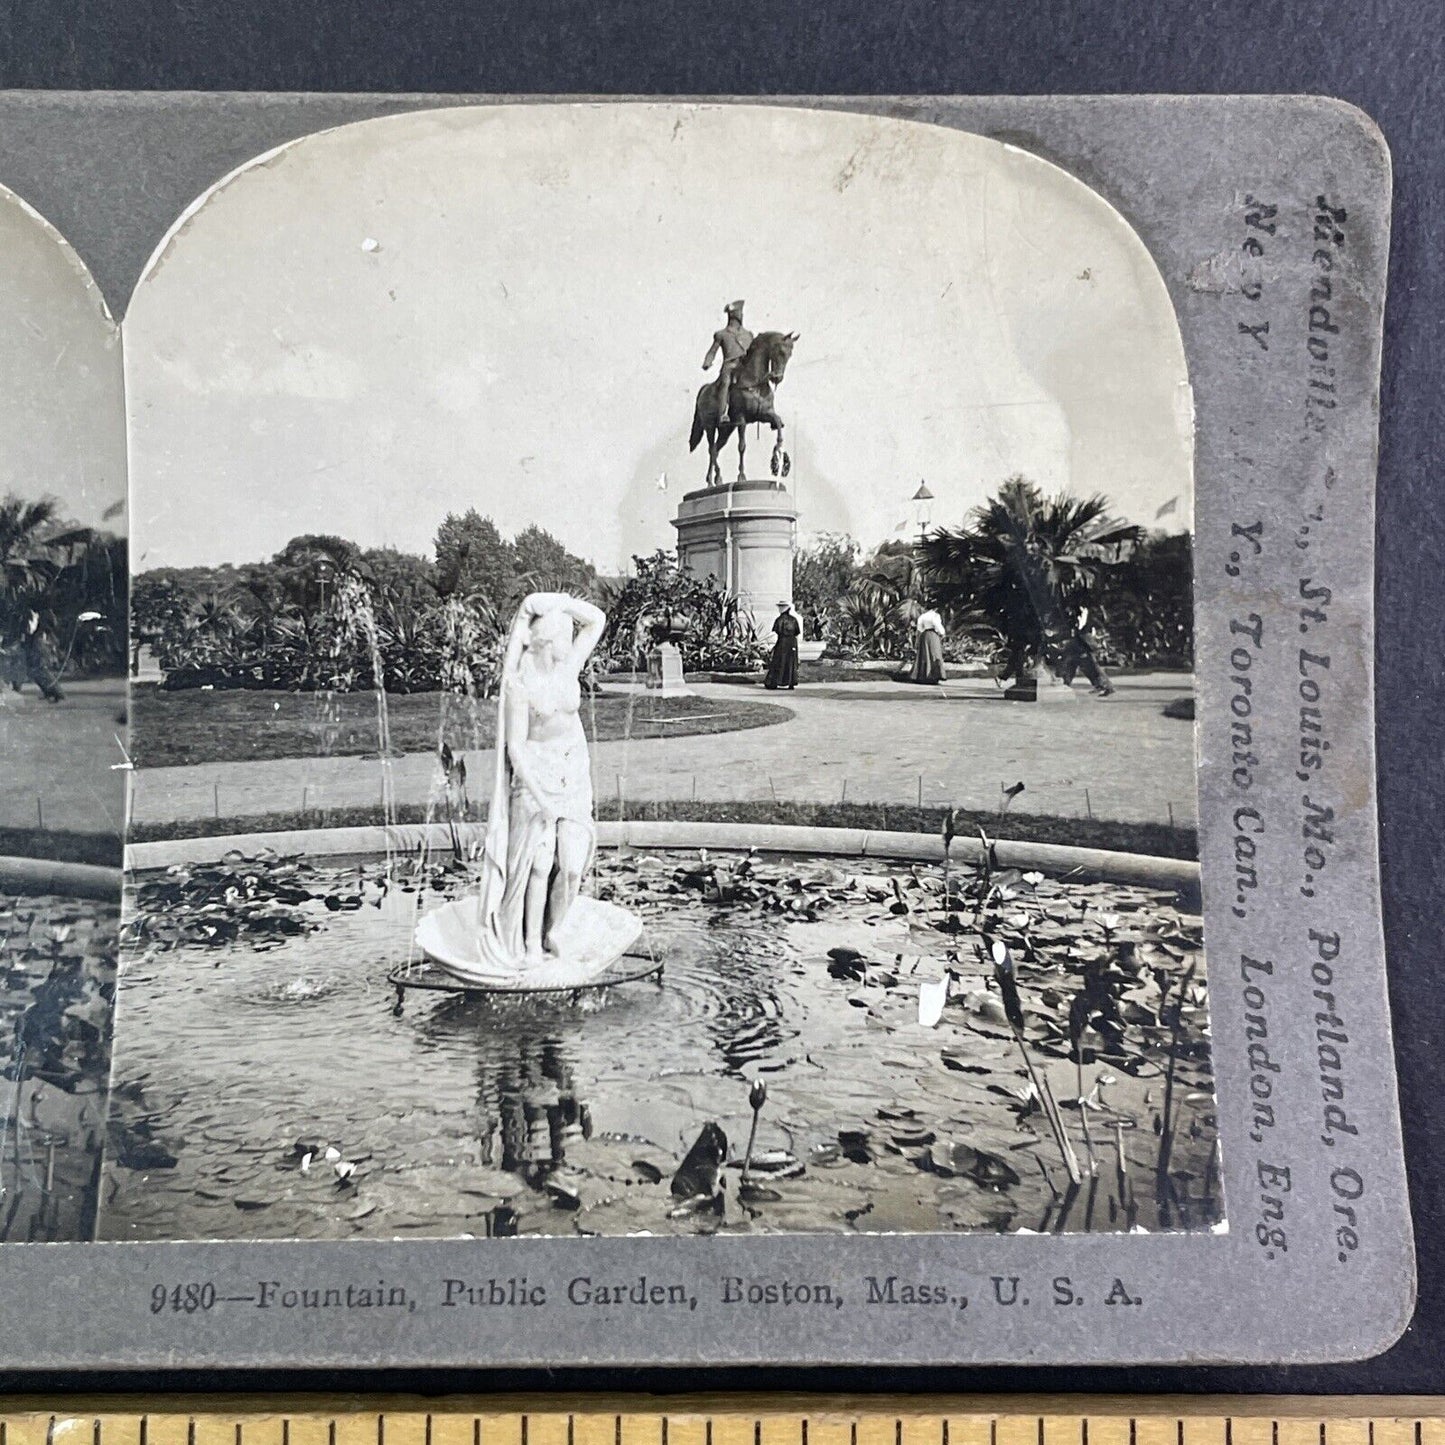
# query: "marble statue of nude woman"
540,832
527,924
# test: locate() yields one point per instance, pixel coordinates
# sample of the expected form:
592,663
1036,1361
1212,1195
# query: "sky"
507,308
62,412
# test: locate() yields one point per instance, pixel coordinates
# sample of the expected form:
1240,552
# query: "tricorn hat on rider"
734,308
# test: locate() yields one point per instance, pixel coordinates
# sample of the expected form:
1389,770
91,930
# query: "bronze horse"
749,399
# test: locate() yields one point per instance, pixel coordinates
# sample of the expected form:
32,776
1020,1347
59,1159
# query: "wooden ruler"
723,1420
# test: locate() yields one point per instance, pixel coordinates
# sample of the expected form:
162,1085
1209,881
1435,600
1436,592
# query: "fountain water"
357,618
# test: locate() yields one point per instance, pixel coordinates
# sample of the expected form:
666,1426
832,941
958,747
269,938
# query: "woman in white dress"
928,652
540,832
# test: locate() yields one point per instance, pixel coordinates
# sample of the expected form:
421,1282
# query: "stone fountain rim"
1085,864
32,877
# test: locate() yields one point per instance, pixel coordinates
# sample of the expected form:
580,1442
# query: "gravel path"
57,758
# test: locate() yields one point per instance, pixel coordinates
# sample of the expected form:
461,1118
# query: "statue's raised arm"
589,622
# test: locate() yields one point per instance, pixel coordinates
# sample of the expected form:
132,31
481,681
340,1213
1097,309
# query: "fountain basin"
569,1110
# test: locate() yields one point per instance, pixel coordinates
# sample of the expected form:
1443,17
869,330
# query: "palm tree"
34,549
886,599
1024,568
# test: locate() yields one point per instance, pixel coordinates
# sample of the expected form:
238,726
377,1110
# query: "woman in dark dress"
783,665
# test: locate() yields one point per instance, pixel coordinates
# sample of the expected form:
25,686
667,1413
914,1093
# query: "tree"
1147,605
824,573
321,614
310,568
1025,567
34,547
84,608
74,578
715,634
888,597
401,577
544,565
473,559
158,602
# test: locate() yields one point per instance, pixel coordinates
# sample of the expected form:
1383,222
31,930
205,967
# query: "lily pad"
952,1158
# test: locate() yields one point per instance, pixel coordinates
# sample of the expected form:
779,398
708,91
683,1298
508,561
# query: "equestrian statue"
742,392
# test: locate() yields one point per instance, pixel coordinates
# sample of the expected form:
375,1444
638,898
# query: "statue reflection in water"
528,1111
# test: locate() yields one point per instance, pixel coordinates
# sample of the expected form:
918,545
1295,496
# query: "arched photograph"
63,588
662,703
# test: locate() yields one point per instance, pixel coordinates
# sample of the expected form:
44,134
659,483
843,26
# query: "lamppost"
922,509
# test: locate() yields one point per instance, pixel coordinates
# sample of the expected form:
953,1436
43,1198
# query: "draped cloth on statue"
783,665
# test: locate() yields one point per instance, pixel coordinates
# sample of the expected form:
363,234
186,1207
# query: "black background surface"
1385,56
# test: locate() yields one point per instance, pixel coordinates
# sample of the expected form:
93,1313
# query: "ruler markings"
543,1427
683,1430
302,1429
921,1429
589,1429
356,1428
968,1430
811,1423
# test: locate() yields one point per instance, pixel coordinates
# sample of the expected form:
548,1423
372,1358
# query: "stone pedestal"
742,535
144,667
1039,686
664,671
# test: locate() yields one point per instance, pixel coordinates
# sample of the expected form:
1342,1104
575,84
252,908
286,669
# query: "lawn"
101,849
170,729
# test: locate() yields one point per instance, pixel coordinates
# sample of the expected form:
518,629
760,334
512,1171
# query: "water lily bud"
758,1095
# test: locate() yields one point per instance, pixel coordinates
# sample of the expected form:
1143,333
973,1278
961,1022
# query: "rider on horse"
733,341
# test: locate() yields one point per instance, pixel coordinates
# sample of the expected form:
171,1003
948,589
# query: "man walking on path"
26,661
1078,656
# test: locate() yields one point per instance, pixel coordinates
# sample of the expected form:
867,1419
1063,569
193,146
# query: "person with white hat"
783,665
